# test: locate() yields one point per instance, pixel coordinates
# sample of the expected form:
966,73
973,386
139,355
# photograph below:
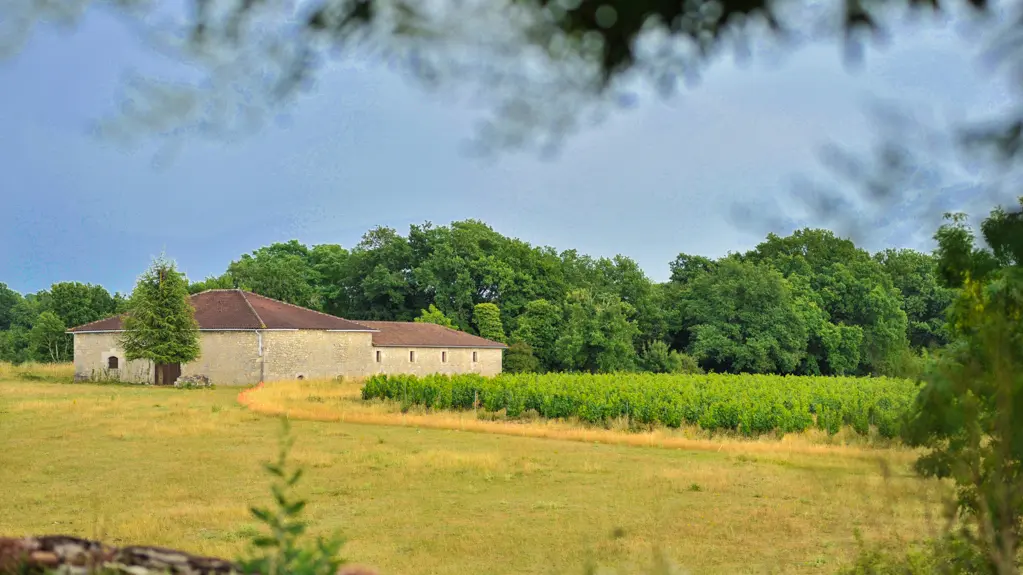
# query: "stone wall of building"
311,354
92,355
427,360
227,358
319,354
233,358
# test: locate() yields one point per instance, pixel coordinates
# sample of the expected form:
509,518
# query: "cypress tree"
160,323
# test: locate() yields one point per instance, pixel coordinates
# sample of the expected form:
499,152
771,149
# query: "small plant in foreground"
281,552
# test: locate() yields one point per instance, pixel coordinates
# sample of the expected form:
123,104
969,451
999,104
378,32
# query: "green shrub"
657,357
520,359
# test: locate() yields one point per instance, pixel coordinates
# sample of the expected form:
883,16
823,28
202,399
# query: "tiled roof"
410,334
237,309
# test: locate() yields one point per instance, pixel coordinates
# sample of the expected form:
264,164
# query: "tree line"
807,303
32,326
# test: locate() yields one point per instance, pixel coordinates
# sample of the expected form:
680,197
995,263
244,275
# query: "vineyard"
747,404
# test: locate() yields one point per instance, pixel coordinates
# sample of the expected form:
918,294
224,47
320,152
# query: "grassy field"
57,372
179,468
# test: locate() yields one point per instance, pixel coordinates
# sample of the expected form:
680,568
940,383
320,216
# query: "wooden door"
167,373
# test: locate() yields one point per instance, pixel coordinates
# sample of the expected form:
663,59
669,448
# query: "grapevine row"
748,404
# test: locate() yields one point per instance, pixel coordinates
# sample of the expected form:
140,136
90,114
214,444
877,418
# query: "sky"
369,147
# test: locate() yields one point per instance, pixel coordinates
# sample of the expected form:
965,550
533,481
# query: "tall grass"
58,372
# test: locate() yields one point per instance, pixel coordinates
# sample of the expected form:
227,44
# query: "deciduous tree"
281,271
76,303
519,358
742,317
48,339
598,334
8,299
487,318
223,281
539,326
434,315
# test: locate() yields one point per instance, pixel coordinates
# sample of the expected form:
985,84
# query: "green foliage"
1003,233
622,278
841,346
953,554
597,334
835,282
330,262
519,358
8,299
958,257
48,339
160,325
377,283
687,268
742,317
77,303
223,281
967,414
434,315
32,327
748,404
884,335
924,298
540,327
861,314
461,266
487,318
15,345
283,551
657,357
279,271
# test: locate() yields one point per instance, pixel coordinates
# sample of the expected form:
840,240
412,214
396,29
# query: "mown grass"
166,467
55,372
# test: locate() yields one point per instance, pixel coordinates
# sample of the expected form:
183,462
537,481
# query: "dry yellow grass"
179,468
32,370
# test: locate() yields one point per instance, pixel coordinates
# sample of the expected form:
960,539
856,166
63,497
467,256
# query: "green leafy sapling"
283,551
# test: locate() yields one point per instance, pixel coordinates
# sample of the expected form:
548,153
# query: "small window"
474,357
112,362
412,356
378,357
444,357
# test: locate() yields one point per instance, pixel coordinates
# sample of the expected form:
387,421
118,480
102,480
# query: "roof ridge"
248,293
245,299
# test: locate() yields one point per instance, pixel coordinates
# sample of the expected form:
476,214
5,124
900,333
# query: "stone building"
246,338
